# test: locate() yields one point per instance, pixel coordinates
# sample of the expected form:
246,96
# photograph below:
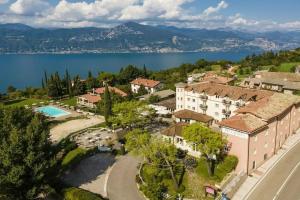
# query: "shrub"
73,157
79,194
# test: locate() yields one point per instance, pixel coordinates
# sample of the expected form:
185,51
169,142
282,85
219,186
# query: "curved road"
121,183
283,181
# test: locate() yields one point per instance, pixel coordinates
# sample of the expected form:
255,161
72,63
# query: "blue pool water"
52,111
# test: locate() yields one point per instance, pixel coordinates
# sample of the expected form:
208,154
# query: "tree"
142,91
131,114
91,82
157,153
107,104
207,141
10,89
153,99
25,153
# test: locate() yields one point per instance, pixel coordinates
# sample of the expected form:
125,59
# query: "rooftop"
111,89
162,94
286,76
145,82
233,92
188,114
91,98
168,103
174,130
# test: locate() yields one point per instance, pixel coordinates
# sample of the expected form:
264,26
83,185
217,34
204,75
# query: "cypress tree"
107,104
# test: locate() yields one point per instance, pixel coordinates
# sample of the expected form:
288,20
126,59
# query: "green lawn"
79,194
286,67
23,102
71,102
73,157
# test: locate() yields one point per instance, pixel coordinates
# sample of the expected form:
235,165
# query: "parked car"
104,148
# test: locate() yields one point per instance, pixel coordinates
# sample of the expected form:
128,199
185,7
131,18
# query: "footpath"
251,181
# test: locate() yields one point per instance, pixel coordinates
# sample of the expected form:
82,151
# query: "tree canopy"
25,153
207,141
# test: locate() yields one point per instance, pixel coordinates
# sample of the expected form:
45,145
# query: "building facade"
216,100
150,85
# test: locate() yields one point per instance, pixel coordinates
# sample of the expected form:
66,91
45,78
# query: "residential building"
218,101
284,82
163,94
165,107
91,99
150,85
297,69
259,129
173,134
210,76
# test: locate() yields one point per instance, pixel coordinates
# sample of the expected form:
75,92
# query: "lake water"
27,70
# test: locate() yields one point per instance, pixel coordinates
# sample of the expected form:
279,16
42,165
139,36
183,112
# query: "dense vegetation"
25,154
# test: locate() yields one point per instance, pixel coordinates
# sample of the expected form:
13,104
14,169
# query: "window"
217,105
265,156
188,99
193,108
194,100
216,113
253,165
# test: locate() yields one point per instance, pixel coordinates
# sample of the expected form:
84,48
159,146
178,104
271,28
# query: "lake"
27,70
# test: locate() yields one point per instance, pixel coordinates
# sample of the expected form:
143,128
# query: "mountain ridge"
135,37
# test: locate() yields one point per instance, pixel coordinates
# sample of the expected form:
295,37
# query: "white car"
104,149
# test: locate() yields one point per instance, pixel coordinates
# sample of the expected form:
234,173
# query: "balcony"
226,102
238,104
203,106
203,97
226,112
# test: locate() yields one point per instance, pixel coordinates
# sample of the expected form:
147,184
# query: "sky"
253,15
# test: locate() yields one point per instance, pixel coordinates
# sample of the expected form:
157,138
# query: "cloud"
29,7
211,10
4,1
108,13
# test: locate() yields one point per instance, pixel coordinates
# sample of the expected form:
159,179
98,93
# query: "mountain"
134,37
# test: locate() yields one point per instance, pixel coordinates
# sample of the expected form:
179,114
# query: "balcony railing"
203,106
203,97
226,102
226,112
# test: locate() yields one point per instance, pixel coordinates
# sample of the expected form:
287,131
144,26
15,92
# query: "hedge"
79,194
73,157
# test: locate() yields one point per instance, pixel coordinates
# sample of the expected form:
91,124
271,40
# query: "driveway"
121,182
91,173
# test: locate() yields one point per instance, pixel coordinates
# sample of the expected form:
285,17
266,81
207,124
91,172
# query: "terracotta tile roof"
174,130
188,114
270,107
111,89
91,98
245,122
233,92
145,82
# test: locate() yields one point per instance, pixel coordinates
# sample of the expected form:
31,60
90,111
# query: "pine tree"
43,84
46,77
107,104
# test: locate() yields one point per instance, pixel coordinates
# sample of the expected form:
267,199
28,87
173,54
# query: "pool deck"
63,130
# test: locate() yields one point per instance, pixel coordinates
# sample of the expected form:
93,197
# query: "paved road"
278,184
121,182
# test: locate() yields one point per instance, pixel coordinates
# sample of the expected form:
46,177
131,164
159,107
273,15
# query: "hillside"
134,37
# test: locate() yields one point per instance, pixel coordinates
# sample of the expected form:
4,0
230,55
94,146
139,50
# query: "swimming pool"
52,111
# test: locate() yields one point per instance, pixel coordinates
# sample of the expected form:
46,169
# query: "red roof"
111,89
145,82
91,98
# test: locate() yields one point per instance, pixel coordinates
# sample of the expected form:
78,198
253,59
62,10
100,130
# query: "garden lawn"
79,194
286,67
71,102
23,102
73,157
221,170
